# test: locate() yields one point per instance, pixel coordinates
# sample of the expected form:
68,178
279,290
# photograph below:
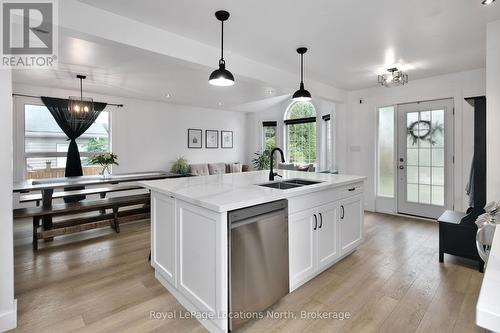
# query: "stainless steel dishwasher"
258,259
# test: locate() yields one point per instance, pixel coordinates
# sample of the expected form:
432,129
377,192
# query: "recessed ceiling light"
270,92
220,103
167,95
487,2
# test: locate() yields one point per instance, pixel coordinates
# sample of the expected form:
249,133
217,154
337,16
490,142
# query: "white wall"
493,111
149,135
362,122
7,302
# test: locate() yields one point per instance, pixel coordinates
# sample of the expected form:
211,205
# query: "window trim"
263,133
270,123
299,121
20,155
327,133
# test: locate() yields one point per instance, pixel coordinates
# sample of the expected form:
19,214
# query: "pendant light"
80,108
221,77
81,105
301,95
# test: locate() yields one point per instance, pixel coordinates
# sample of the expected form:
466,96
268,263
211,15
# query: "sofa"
297,167
205,169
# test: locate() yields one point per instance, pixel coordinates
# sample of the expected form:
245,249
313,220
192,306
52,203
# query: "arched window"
300,124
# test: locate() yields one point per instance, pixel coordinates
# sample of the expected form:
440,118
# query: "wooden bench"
85,223
90,191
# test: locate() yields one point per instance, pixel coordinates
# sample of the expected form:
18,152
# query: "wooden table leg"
115,218
47,202
103,196
36,223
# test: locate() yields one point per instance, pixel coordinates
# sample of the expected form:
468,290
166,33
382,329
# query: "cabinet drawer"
351,190
306,201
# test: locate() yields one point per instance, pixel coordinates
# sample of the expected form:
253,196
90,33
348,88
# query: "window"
300,121
385,177
328,143
46,145
268,135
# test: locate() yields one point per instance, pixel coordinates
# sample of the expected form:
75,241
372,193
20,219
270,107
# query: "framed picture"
226,139
211,139
194,138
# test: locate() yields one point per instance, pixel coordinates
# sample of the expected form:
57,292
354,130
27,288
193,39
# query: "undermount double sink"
286,184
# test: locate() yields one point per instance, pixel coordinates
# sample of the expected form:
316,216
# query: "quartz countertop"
488,304
226,192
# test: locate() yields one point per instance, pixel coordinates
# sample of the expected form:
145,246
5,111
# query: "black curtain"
59,108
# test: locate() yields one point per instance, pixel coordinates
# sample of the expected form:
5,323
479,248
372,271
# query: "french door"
425,158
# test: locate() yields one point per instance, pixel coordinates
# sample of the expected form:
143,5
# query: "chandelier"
80,108
393,78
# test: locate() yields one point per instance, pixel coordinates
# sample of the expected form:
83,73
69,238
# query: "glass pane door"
425,157
422,160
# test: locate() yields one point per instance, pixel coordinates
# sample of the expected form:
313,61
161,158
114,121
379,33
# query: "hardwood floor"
392,283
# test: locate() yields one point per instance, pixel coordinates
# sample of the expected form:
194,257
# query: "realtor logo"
29,34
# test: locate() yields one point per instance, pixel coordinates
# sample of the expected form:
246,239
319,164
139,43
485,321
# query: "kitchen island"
189,231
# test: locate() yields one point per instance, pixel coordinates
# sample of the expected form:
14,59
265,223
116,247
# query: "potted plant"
104,160
262,161
180,166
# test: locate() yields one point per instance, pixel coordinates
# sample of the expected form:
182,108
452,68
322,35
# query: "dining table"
47,186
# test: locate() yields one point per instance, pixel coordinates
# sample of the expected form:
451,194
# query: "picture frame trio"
195,139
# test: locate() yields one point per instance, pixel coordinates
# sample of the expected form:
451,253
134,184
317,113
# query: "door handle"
351,189
320,220
342,212
315,222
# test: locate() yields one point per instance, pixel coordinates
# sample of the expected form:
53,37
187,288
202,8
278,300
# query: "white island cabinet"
189,232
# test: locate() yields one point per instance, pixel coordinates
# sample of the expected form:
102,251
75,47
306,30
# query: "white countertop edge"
488,303
272,195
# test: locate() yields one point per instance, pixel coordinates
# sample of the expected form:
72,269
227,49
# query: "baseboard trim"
403,215
8,320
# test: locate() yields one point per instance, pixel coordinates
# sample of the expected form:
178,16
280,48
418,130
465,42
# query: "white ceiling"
119,70
349,41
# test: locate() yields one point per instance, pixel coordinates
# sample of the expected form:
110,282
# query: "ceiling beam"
96,22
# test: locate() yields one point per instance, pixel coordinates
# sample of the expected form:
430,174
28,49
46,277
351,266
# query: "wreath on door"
423,130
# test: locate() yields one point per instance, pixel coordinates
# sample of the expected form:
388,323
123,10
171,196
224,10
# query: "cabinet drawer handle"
341,212
320,220
351,189
315,222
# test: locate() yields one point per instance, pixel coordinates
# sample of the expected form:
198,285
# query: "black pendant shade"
301,95
221,77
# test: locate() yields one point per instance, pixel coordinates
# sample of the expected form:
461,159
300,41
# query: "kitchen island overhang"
189,231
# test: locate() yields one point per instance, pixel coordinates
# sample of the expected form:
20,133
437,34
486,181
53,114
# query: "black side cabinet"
457,230
458,238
